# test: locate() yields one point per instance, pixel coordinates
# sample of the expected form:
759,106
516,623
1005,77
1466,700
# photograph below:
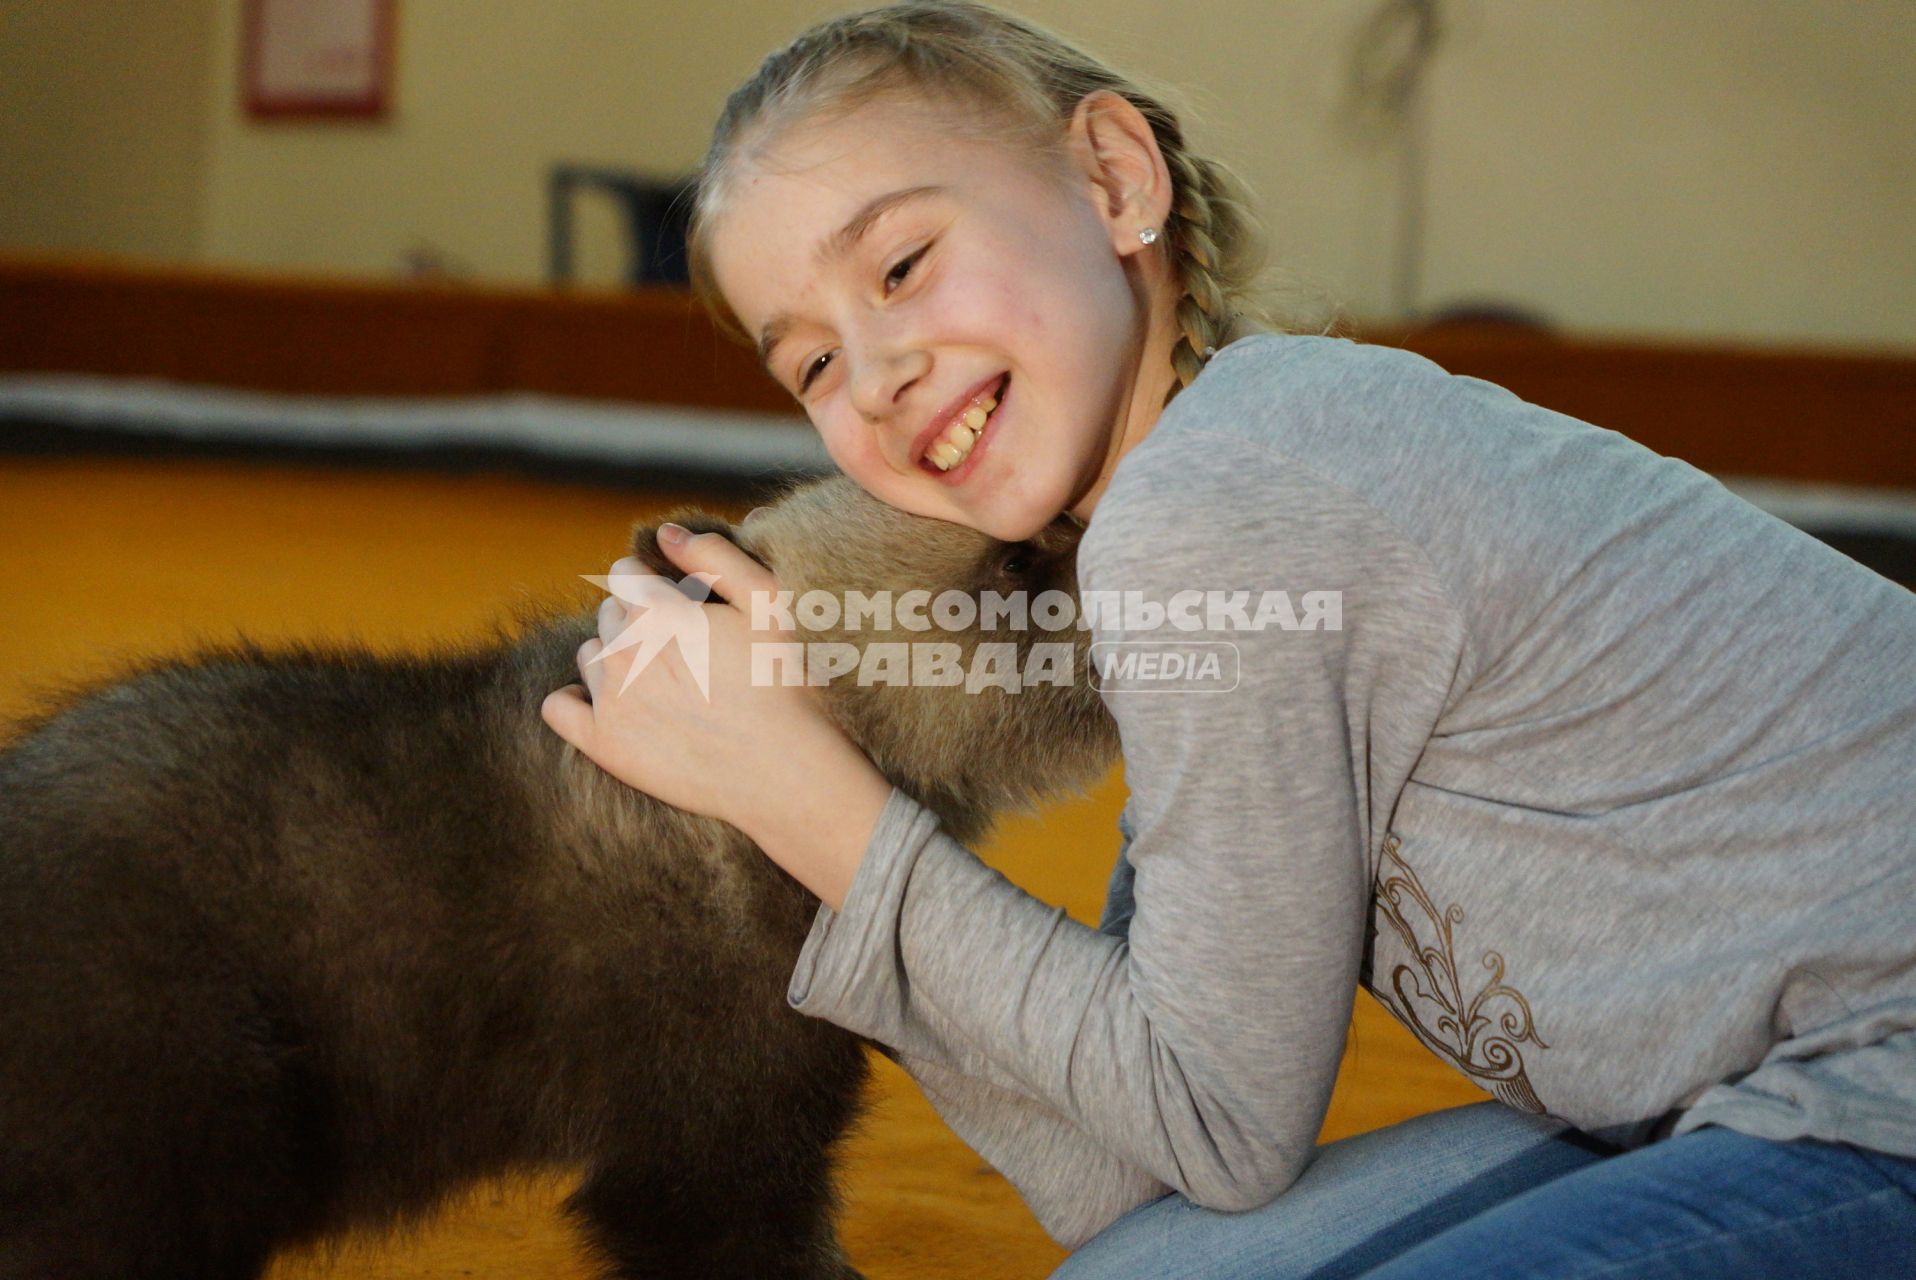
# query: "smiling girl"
1596,776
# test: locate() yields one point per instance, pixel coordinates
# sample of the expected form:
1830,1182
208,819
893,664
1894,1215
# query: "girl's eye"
811,371
899,271
903,267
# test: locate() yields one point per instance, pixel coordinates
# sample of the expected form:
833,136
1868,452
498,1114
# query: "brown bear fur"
299,941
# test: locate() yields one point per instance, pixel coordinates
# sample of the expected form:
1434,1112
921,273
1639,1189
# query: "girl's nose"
881,383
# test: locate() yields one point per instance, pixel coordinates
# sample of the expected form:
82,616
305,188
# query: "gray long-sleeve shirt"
1597,776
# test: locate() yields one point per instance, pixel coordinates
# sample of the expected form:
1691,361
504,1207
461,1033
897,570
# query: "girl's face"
995,278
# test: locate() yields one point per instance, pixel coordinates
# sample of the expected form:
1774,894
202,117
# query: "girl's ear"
1118,153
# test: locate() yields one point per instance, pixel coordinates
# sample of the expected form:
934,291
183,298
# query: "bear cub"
301,941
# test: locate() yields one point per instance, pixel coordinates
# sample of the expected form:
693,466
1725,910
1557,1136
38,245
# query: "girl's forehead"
772,234
778,186
800,189
895,135
793,212
794,190
886,115
857,151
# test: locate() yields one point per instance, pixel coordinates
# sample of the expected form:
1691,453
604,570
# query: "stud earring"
1149,235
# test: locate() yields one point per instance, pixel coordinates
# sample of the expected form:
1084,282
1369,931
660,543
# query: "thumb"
733,575
568,713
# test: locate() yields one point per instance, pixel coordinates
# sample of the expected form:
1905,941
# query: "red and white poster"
318,58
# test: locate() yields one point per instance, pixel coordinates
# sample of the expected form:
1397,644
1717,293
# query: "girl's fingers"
568,714
612,616
590,668
717,559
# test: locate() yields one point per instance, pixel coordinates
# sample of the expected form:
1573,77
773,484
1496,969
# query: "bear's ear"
645,539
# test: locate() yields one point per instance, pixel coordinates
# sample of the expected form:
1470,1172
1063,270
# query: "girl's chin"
990,510
1012,524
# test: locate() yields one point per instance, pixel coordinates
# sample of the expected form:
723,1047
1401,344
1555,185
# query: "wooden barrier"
1803,414
342,337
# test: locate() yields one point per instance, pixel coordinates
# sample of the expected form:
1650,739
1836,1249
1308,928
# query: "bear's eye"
1016,562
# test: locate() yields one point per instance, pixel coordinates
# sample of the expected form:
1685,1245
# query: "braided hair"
1026,82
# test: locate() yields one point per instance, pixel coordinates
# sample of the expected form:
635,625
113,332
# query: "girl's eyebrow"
836,246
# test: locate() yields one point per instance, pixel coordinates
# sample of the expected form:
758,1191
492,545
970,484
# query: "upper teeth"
954,446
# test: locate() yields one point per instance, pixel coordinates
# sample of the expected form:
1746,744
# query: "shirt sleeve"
1196,1050
1074,1187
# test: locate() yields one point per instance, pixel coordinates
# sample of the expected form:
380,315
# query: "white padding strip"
1830,507
621,433
661,435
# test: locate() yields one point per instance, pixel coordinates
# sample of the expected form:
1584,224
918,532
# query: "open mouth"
948,457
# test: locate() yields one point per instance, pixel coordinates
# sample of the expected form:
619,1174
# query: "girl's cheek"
855,453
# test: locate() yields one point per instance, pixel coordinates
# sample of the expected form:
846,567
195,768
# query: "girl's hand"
763,756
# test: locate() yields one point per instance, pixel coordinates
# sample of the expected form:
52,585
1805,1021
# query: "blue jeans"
1487,1192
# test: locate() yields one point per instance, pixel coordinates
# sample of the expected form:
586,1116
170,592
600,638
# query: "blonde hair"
1025,83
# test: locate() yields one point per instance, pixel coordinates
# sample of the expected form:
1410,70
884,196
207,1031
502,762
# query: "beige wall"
104,124
1713,168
